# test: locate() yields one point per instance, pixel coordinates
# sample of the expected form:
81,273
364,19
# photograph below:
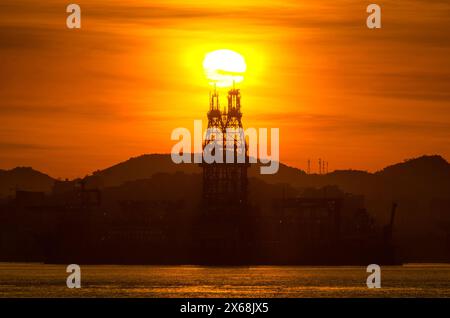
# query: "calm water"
37,280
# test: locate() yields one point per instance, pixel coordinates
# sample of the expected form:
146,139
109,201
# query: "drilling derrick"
214,114
224,228
225,180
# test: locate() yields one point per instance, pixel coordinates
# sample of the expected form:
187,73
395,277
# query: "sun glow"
224,67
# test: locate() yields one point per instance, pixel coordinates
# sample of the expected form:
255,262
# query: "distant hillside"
427,176
24,178
142,167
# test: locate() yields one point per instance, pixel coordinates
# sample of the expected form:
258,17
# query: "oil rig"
225,180
225,218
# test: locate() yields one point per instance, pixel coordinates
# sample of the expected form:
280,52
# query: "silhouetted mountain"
424,176
424,165
24,178
142,167
285,174
145,166
427,176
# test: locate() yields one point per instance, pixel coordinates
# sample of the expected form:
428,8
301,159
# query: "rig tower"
225,182
224,230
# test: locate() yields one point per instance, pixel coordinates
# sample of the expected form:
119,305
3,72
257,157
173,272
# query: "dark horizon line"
281,163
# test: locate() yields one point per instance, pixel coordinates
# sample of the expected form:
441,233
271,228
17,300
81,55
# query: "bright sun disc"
224,67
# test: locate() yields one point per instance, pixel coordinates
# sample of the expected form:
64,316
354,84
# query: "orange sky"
73,101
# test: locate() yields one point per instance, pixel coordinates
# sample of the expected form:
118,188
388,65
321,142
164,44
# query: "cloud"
11,146
346,125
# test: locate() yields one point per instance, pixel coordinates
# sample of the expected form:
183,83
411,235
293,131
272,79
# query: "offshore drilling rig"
225,182
225,213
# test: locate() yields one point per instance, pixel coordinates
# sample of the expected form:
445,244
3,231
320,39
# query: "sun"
224,67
